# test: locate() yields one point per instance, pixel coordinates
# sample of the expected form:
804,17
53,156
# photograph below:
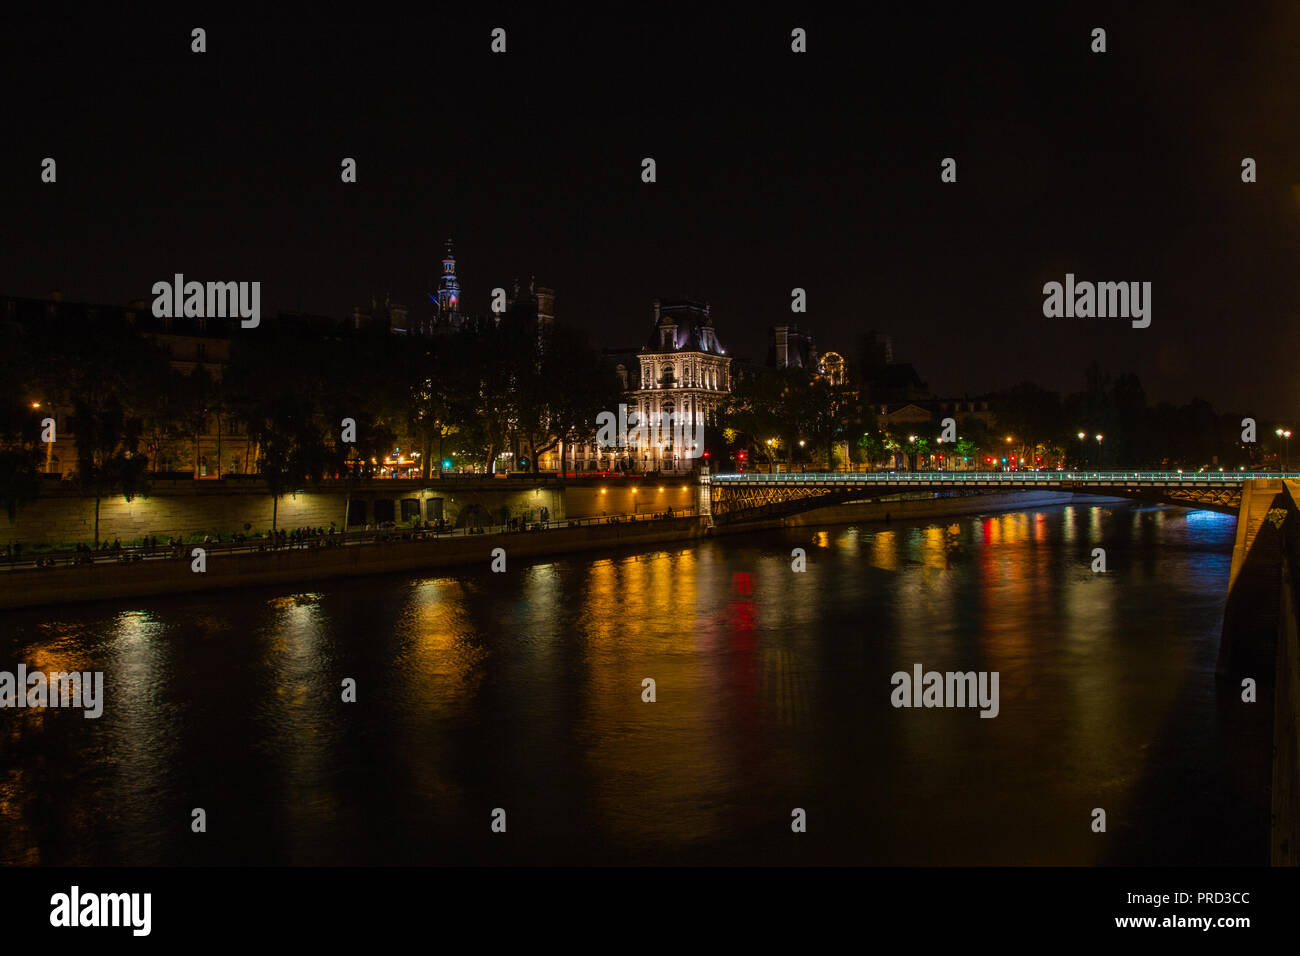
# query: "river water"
523,691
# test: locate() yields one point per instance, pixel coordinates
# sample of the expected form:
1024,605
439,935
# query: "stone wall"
1285,837
60,516
66,585
1261,639
622,496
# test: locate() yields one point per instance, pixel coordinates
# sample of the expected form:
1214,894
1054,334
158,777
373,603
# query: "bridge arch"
750,496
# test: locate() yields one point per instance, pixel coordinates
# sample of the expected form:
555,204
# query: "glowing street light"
1286,433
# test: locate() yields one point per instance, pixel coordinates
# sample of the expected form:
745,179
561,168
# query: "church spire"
448,286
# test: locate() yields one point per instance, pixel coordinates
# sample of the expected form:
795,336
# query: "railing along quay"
1185,479
71,558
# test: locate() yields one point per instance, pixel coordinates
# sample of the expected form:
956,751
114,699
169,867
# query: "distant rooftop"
682,325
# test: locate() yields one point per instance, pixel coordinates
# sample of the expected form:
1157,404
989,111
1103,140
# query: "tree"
915,447
1031,414
830,416
160,407
978,438
196,409
873,445
754,409
277,402
555,385
108,459
293,451
93,364
590,385
965,449
21,451
19,481
438,389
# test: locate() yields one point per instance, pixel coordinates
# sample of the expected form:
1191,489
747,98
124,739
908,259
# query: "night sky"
775,170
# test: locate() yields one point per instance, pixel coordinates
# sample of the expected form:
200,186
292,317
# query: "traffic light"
523,462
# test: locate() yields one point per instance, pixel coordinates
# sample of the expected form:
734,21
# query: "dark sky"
775,170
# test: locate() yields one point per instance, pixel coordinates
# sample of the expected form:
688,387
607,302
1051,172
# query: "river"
523,691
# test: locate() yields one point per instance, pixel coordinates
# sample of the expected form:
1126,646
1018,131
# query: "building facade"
674,385
685,378
790,347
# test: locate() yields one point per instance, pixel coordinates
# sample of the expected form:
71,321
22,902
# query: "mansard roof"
691,329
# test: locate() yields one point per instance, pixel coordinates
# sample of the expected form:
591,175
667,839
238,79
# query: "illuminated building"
447,301
682,371
685,375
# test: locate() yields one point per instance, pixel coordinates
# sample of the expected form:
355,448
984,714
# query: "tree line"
795,416
298,404
295,405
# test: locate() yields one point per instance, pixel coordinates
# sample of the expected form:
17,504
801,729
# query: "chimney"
656,311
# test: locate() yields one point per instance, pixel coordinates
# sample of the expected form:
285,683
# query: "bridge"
753,496
1261,627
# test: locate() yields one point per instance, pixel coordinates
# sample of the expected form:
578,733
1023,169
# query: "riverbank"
68,585
60,585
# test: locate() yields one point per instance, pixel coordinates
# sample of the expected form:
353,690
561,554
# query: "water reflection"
527,691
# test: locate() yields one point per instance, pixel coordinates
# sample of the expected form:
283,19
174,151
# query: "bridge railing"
1001,477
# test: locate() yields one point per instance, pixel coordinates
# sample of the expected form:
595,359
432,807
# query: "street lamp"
1099,453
